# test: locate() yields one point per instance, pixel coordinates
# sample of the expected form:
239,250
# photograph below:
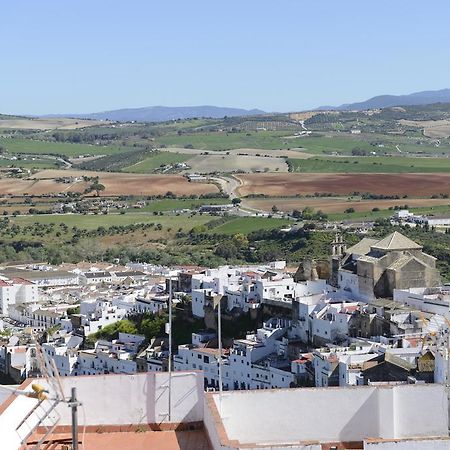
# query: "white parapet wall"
301,417
441,443
137,399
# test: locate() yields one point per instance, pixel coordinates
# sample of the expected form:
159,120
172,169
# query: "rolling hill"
164,113
387,101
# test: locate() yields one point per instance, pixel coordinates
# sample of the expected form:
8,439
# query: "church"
374,268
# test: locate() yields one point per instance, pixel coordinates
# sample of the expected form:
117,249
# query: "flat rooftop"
31,275
134,439
136,412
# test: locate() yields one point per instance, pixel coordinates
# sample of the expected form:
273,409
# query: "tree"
275,209
236,201
97,187
240,240
226,250
72,311
307,213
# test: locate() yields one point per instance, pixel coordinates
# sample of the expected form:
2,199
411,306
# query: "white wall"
198,301
348,282
422,302
417,444
413,412
115,400
334,414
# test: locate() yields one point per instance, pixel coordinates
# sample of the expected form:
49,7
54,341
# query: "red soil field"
115,184
279,184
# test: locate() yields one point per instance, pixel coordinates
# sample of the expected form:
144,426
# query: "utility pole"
170,348
217,301
73,404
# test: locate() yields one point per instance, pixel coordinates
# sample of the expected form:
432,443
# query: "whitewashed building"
16,291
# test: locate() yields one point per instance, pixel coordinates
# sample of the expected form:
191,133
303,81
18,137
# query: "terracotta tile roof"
19,280
307,357
349,309
209,351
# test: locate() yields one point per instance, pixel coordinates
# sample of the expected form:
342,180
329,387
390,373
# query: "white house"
99,313
257,362
16,291
96,277
435,300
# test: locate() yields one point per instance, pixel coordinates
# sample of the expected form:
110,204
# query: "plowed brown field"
412,184
115,184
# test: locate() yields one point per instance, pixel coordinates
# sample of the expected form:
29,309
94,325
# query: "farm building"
216,208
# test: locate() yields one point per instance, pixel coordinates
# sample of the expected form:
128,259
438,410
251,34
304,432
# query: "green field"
154,162
38,163
321,144
176,204
408,144
267,140
30,146
246,225
372,215
91,222
345,144
235,225
369,164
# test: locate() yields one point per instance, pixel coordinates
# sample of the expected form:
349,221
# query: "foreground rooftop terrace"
137,412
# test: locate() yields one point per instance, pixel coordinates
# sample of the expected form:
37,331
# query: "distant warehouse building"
196,178
437,221
216,208
42,278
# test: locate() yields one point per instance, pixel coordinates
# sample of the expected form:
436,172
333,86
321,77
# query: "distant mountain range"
387,101
164,113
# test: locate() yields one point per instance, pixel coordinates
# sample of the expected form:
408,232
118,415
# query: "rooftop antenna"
44,413
170,348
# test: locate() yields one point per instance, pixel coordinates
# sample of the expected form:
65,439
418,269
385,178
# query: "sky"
85,56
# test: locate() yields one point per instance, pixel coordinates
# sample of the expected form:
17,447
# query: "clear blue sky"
92,55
